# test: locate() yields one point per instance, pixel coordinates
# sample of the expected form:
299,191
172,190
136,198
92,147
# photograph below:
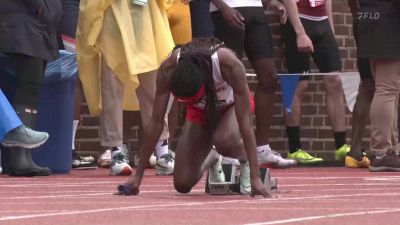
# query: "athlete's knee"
333,84
268,82
182,187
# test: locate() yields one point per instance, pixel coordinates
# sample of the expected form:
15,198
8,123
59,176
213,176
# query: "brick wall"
316,130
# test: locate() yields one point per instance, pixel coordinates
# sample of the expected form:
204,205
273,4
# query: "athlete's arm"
304,43
233,71
156,124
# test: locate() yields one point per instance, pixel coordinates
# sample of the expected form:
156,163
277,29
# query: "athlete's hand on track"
258,188
131,187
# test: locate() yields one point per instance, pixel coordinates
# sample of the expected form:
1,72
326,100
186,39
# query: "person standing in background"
310,31
378,31
122,52
28,34
242,25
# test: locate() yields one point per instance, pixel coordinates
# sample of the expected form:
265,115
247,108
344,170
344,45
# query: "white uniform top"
223,90
237,3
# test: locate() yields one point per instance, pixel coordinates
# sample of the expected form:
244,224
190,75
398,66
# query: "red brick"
338,18
350,43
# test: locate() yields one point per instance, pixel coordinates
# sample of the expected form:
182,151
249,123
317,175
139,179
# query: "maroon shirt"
312,7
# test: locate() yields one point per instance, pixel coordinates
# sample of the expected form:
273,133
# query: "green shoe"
24,137
303,157
341,152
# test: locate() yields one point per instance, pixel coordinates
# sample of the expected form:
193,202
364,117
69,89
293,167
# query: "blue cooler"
55,112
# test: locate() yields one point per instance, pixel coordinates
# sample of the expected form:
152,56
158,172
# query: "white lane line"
75,212
247,200
327,216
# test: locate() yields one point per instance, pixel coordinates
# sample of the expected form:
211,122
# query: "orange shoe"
351,162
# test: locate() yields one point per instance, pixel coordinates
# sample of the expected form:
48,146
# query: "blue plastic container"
55,113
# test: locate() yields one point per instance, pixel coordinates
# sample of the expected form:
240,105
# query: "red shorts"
196,115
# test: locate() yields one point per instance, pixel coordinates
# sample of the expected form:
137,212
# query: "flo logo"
369,15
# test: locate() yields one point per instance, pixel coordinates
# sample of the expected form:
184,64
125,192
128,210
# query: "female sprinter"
211,81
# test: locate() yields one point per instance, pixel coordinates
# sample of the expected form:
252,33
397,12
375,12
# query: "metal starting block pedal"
232,185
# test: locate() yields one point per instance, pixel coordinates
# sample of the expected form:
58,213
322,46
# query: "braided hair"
194,70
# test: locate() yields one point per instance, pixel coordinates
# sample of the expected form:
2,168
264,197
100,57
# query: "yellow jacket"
131,39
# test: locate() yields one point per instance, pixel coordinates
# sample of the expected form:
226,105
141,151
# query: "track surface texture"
307,196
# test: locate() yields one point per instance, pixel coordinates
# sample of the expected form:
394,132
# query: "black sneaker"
388,163
82,163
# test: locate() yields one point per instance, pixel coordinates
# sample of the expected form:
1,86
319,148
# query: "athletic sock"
161,148
74,128
340,138
293,134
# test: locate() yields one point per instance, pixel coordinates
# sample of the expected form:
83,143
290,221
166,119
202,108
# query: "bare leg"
191,159
264,97
227,138
293,119
361,116
335,103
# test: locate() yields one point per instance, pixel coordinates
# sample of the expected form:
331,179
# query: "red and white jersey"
223,90
312,9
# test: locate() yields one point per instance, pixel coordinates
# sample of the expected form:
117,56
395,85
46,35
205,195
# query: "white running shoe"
244,180
105,159
216,173
120,165
273,159
165,165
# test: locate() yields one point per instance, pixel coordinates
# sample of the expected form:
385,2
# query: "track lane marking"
257,200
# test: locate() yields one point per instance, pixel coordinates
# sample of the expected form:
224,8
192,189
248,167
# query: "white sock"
74,128
161,148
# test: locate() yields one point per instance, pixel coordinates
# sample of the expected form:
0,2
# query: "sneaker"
387,163
302,157
341,152
105,159
82,163
244,180
120,165
216,173
165,165
24,137
272,158
351,162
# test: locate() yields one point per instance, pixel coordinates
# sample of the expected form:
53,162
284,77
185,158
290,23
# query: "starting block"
232,184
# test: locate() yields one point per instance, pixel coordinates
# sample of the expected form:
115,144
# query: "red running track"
307,196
